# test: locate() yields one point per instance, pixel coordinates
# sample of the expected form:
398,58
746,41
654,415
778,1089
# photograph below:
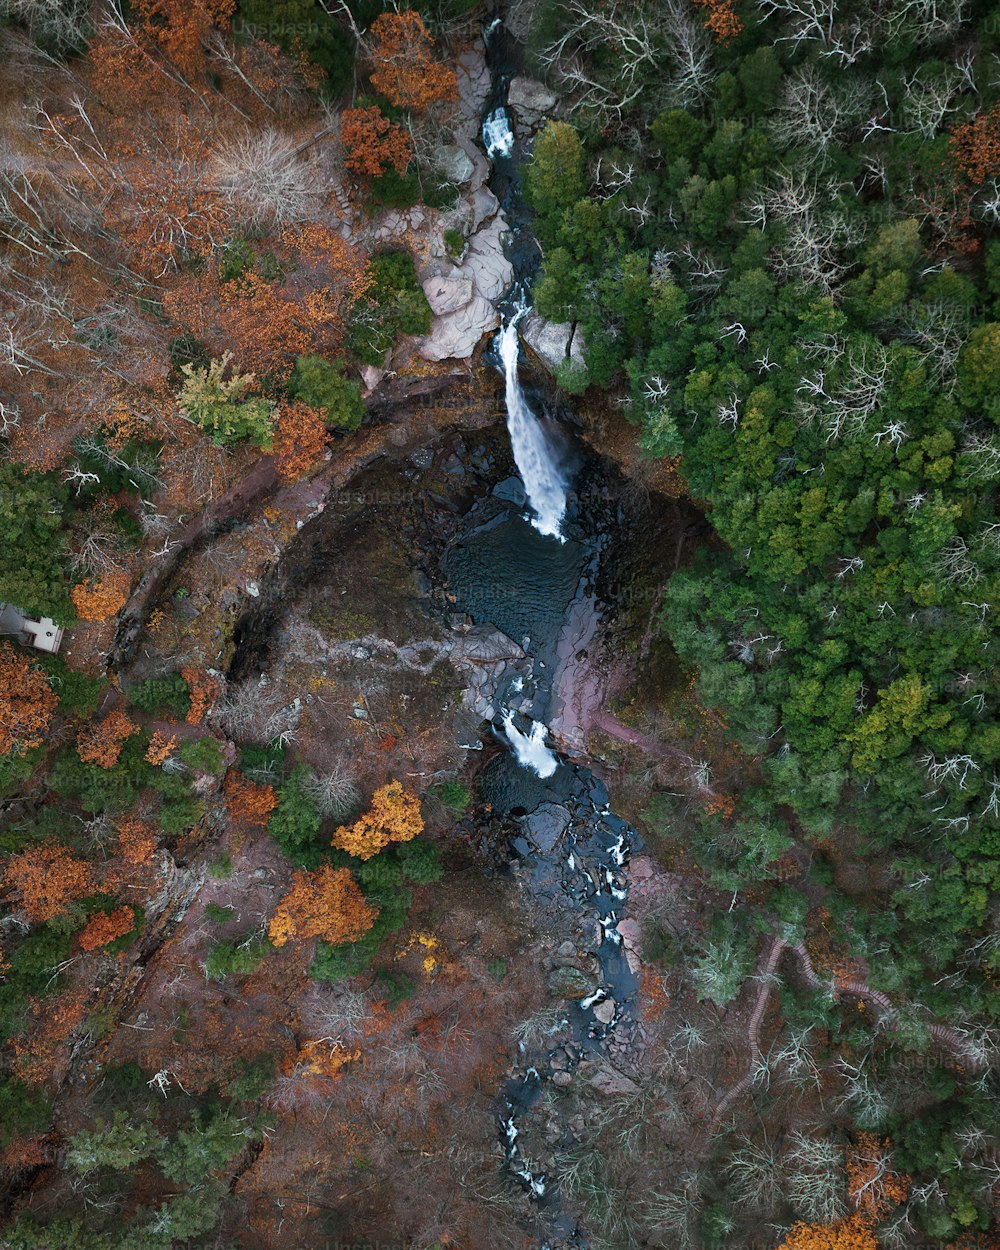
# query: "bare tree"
336,791
259,171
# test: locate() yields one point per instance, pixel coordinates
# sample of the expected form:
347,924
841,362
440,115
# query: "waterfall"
542,478
498,138
530,749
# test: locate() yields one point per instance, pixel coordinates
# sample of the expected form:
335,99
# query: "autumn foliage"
105,927
267,325
136,840
975,147
373,143
27,701
161,747
723,21
49,878
326,904
179,27
874,1188
300,440
248,801
854,1233
394,816
405,70
99,600
203,689
101,742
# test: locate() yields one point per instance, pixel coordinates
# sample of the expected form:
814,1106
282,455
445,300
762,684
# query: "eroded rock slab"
531,101
552,341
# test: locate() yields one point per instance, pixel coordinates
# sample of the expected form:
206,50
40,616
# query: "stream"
526,561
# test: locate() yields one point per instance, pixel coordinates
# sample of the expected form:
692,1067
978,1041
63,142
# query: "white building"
43,635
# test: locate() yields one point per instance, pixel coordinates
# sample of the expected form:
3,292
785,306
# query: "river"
527,562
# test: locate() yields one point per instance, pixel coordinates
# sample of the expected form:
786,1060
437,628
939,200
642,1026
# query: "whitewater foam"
530,748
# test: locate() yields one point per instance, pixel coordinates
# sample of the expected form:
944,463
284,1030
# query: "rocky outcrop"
462,296
530,101
458,333
448,293
552,341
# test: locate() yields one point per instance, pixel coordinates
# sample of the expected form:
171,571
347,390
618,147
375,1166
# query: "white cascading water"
542,479
498,138
530,748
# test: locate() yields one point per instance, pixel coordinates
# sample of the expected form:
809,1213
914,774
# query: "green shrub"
251,1078
455,796
79,694
321,384
418,861
454,241
398,985
301,27
102,789
23,1111
240,958
177,816
295,823
221,406
219,915
393,304
15,769
162,694
32,555
204,755
265,765
222,868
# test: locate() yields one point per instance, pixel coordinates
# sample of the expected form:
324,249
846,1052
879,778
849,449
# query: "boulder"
484,205
567,982
605,1011
473,79
448,293
630,932
530,101
552,341
454,164
608,1080
546,825
456,334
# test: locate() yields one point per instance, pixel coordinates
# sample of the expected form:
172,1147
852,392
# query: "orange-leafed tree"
180,27
854,1233
101,743
874,1186
203,689
723,21
101,599
406,72
300,440
161,747
49,878
105,927
394,816
267,325
27,701
247,800
136,839
975,147
373,143
327,904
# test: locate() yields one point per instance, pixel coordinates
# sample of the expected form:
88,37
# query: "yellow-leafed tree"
326,904
394,816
